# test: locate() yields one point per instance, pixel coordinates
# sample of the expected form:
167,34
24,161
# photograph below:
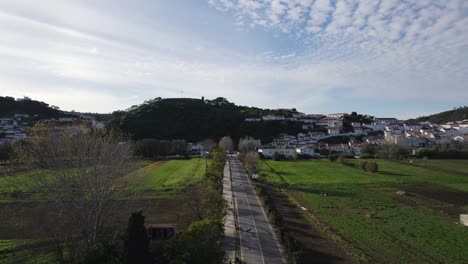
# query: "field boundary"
355,252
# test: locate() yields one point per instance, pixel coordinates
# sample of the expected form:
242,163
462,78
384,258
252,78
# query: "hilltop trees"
195,120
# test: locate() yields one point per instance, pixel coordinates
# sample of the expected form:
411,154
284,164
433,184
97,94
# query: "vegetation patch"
369,211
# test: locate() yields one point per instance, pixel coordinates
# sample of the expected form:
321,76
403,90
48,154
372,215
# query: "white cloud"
388,47
82,55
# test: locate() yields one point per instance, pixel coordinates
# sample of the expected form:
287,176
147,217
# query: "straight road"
258,243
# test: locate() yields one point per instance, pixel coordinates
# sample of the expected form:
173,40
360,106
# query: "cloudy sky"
400,58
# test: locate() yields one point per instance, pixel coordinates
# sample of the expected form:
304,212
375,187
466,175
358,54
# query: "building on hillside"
337,115
160,231
376,142
25,98
273,118
334,131
341,148
355,147
270,151
308,151
359,130
253,120
387,121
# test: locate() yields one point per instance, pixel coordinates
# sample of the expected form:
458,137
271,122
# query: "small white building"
355,147
334,130
375,142
273,118
306,151
269,152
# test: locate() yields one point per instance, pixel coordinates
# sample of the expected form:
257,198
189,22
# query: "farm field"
163,179
365,209
155,187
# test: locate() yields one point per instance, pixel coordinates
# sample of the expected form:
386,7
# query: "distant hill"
457,114
198,119
9,106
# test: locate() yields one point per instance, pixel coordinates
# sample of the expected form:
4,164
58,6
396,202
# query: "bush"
341,159
332,156
366,156
372,167
278,156
363,165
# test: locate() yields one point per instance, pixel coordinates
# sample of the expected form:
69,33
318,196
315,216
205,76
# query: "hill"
198,119
457,114
9,106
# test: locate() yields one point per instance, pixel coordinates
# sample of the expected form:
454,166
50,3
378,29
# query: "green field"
164,179
26,251
153,180
155,187
365,209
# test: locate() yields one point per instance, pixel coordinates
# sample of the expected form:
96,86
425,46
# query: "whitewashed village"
377,133
15,126
317,138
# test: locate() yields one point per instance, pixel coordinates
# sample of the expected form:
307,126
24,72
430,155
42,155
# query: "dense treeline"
9,106
196,119
355,118
153,148
456,114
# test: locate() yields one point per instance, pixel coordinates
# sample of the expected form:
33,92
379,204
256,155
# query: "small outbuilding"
161,231
464,219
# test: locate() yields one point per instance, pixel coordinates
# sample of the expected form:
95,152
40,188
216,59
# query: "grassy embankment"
365,209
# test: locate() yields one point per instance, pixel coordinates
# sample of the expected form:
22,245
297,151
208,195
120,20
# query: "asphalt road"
258,242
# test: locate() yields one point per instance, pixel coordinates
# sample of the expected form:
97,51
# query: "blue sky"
386,58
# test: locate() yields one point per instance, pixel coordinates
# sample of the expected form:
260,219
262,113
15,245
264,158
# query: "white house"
272,118
337,115
356,147
306,151
375,142
337,147
269,152
253,119
359,130
334,130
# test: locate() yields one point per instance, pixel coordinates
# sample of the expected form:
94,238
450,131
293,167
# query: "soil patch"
33,220
445,195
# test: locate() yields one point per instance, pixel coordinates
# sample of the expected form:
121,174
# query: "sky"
387,58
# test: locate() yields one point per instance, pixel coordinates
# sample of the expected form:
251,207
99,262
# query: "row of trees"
152,148
200,243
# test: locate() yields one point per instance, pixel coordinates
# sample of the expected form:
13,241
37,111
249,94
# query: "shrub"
372,167
278,156
363,165
341,159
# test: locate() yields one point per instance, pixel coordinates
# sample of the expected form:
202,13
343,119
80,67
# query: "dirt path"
317,247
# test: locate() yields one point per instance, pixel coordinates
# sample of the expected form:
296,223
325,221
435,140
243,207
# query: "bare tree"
251,162
75,169
247,144
208,145
226,144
